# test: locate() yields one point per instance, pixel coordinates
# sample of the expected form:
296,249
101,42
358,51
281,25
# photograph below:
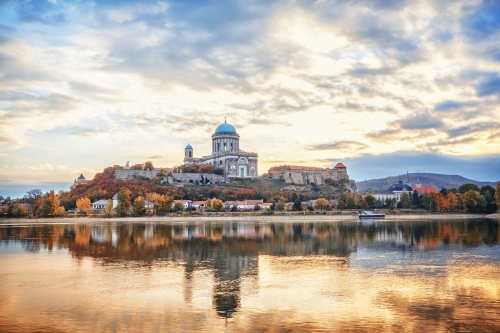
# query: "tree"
468,187
415,198
83,204
32,197
219,171
370,199
486,188
459,205
497,195
428,201
256,207
139,208
109,207
469,200
148,165
178,207
452,200
45,207
481,203
163,204
15,210
353,200
123,203
60,211
321,204
405,200
442,203
54,202
216,205
297,205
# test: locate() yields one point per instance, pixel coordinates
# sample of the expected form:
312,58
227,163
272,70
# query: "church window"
220,162
189,154
218,146
231,146
224,146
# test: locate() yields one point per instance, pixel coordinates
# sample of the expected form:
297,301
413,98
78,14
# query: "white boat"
371,215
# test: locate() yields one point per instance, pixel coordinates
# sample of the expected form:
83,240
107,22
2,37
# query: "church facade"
226,154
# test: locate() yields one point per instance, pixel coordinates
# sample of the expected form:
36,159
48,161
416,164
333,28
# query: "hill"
436,180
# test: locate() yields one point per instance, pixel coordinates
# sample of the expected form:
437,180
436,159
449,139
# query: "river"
423,275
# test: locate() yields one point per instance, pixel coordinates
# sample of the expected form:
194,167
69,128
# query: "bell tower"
188,152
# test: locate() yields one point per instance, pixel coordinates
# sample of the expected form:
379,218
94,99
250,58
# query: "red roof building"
427,189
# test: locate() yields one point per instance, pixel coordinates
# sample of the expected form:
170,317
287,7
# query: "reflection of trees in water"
194,241
231,250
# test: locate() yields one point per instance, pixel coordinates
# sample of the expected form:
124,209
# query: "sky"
383,86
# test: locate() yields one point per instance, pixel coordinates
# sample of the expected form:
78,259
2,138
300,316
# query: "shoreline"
260,218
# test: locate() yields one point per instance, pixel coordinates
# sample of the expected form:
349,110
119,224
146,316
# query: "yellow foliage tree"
216,205
321,204
60,211
83,204
54,202
162,204
109,207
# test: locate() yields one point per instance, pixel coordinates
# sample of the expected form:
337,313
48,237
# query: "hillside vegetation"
436,180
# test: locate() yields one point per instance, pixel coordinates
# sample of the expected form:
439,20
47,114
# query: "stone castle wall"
187,177
306,177
131,174
177,177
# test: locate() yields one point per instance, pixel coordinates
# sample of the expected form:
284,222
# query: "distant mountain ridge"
436,180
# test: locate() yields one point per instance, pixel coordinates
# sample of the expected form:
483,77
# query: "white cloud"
152,76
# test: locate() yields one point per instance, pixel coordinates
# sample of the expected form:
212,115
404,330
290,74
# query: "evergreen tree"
297,205
415,198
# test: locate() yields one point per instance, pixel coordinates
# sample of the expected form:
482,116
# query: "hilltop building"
304,175
79,181
226,154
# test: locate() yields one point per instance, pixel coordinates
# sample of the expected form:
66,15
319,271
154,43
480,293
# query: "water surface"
243,276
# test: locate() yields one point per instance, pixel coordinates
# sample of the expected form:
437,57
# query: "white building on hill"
226,154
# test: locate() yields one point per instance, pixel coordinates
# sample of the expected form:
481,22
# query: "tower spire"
225,120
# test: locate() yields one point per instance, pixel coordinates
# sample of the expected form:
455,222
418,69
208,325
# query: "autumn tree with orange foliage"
452,200
163,204
442,203
83,204
136,167
105,186
148,165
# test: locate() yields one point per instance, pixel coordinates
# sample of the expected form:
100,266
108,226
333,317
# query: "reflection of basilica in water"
230,251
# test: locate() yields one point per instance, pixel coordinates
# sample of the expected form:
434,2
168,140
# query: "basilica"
226,154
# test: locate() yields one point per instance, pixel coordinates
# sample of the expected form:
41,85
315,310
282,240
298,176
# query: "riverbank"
252,218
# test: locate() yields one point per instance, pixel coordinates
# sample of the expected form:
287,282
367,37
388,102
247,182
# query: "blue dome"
225,128
400,186
189,146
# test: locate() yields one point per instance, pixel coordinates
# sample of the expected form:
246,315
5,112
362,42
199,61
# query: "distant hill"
436,180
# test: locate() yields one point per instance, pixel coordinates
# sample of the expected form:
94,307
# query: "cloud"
351,146
156,157
421,121
419,75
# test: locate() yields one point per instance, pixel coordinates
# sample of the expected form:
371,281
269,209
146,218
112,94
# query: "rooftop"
225,128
